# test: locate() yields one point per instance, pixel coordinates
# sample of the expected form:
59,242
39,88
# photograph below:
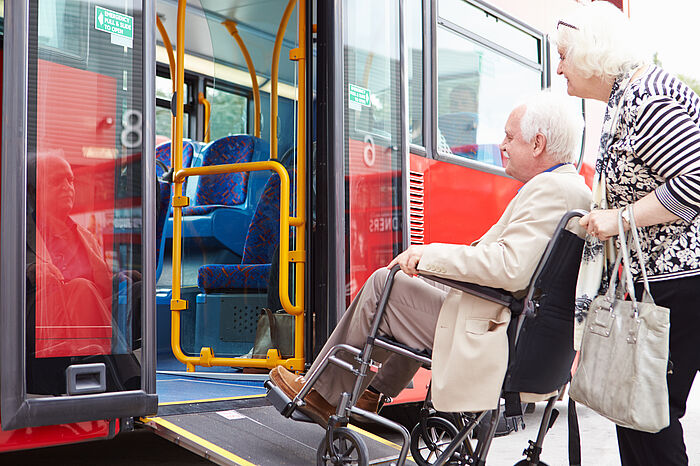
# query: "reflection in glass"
414,36
84,237
475,96
372,139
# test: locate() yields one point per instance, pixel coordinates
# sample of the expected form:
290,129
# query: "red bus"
127,297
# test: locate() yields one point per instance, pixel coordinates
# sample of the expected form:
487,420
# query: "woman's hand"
408,260
601,224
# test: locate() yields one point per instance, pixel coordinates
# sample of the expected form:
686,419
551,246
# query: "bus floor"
222,414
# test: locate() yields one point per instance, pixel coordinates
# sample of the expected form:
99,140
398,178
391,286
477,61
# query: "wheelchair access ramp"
249,431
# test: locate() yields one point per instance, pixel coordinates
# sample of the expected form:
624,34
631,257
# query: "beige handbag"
624,351
275,331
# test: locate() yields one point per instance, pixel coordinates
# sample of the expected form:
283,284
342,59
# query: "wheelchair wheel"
427,445
526,463
348,449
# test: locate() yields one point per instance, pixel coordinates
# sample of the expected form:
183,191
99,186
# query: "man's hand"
601,224
408,260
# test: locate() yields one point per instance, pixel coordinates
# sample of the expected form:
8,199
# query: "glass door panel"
373,160
83,195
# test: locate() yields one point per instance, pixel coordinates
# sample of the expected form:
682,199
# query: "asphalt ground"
599,444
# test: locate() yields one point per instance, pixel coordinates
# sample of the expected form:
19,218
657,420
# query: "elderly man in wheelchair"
453,300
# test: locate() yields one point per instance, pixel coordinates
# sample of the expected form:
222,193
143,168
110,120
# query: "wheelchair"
541,354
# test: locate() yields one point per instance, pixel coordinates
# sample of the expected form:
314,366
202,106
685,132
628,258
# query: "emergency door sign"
119,25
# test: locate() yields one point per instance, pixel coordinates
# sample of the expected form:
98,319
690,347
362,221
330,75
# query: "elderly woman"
649,157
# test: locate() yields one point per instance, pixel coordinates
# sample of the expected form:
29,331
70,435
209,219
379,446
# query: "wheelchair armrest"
496,295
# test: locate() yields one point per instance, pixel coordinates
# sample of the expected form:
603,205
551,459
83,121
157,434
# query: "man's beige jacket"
470,352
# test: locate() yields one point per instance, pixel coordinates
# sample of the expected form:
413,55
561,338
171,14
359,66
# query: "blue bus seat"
163,209
260,244
222,206
163,154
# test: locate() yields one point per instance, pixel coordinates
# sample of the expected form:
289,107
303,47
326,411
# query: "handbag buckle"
602,323
634,331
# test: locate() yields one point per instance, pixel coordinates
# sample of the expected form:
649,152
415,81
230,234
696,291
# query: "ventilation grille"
416,216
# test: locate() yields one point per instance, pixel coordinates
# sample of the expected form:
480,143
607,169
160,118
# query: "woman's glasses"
562,23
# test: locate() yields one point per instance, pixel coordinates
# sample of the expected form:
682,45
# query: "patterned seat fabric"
260,245
162,210
227,189
163,155
165,193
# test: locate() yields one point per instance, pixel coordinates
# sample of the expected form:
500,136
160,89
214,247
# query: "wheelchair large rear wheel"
348,448
427,445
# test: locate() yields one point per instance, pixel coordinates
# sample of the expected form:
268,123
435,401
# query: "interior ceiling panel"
257,21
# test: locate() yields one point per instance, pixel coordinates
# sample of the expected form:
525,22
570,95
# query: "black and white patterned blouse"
656,147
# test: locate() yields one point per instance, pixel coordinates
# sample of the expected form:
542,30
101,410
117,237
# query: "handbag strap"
625,248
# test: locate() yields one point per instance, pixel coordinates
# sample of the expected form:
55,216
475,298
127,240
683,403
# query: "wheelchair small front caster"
427,445
532,456
345,448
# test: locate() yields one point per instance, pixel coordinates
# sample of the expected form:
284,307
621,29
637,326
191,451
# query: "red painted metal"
46,436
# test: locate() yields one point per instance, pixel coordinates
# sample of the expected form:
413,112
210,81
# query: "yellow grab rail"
207,115
274,78
168,48
171,68
299,55
179,201
233,30
298,256
206,357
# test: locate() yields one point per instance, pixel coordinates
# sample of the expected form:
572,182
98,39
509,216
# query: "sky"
671,29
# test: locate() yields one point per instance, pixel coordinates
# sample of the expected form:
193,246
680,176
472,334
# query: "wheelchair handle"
527,304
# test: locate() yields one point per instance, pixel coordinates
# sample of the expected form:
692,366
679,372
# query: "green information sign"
114,22
358,96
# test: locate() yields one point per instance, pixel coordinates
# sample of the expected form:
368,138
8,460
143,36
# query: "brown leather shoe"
369,401
317,408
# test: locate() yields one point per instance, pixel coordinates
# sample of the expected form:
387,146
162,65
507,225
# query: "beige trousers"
410,317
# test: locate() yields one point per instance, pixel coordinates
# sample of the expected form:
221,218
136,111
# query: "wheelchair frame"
346,407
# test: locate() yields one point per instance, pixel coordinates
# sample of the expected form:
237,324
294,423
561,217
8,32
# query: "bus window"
414,37
229,113
491,28
164,94
477,88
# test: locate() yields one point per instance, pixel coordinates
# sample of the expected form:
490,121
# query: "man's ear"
540,144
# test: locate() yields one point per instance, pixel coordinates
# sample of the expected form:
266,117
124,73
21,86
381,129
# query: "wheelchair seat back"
541,356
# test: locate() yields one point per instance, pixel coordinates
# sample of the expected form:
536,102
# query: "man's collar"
551,169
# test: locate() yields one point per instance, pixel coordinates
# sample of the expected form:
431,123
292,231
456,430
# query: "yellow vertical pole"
299,266
179,201
207,115
171,62
275,76
233,30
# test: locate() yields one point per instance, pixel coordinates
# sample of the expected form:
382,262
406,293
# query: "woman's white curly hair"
599,40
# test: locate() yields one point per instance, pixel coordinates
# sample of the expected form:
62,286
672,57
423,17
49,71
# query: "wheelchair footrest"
283,404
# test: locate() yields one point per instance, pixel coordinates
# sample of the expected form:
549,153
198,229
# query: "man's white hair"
599,40
558,118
